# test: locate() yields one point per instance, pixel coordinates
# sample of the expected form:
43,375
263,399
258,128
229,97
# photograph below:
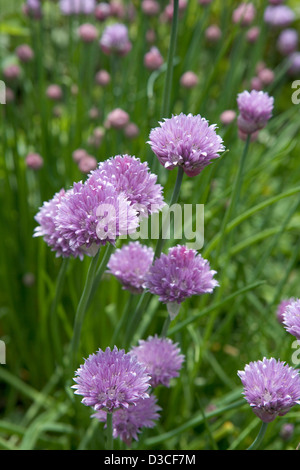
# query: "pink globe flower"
34,161
255,110
115,40
87,32
118,119
189,79
24,53
244,14
54,92
153,59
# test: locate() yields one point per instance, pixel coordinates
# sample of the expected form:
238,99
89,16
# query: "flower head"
128,422
280,16
244,14
111,379
153,59
115,39
281,308
34,161
291,318
294,64
161,357
178,275
92,215
75,7
117,119
87,32
129,264
287,42
270,387
255,110
47,228
129,175
187,141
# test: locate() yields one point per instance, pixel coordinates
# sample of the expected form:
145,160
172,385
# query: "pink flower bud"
54,92
102,78
87,164
131,130
102,11
189,80
87,32
150,7
24,53
256,84
244,14
12,72
213,33
117,119
253,34
153,59
34,161
78,155
266,76
227,117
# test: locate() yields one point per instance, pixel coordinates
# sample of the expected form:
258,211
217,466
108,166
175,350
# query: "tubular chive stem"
109,428
82,307
169,74
174,200
259,437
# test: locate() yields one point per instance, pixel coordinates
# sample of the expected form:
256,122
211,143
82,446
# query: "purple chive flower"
161,357
294,64
115,39
187,141
75,7
270,387
291,318
255,110
281,308
33,8
111,379
89,216
48,230
129,265
178,275
128,422
287,42
280,16
129,175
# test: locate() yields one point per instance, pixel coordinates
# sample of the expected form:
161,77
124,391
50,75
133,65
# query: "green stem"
109,428
123,320
146,297
101,269
259,437
174,199
169,75
235,193
166,326
53,311
166,99
82,307
136,317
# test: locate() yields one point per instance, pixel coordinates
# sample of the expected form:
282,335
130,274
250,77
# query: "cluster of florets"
120,383
107,205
